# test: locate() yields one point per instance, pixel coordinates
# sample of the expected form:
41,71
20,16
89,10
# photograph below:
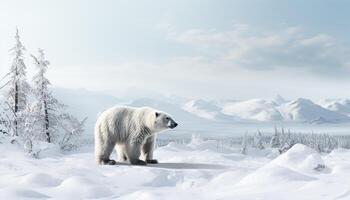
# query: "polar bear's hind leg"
103,149
103,153
133,151
121,152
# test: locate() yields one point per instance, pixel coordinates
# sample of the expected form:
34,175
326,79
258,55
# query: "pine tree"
16,96
46,106
244,147
52,122
275,140
258,140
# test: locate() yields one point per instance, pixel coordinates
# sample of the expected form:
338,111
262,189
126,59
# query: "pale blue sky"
199,48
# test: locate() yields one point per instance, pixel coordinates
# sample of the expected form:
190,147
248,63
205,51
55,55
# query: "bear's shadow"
180,165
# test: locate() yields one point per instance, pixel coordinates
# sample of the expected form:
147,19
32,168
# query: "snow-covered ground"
198,170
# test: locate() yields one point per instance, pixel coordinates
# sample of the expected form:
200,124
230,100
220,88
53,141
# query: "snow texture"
197,170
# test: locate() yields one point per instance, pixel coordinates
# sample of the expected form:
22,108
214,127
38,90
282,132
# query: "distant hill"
200,113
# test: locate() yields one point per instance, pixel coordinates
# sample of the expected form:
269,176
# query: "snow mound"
297,164
87,188
274,174
300,158
255,109
19,193
40,179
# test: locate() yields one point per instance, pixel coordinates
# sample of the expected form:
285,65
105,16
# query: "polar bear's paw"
139,162
109,162
152,161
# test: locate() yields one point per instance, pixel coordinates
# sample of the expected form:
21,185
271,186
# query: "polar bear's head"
163,121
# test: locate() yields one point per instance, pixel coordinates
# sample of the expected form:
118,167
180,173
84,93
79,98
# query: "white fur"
131,131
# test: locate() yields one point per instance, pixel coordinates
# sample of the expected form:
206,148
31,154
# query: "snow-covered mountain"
254,109
338,105
304,110
174,109
203,109
209,110
278,109
278,99
200,112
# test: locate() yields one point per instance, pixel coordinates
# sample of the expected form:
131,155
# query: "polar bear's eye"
167,118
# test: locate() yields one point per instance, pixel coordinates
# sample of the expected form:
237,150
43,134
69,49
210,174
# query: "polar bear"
131,131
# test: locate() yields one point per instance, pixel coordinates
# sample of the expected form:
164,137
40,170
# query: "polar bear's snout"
172,124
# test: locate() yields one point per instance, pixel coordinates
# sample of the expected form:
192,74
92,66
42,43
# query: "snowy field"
198,170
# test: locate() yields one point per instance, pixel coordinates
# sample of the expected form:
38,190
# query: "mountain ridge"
199,111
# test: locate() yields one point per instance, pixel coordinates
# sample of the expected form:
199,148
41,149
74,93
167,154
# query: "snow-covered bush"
72,129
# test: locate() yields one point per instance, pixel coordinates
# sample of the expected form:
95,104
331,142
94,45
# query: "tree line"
284,140
281,140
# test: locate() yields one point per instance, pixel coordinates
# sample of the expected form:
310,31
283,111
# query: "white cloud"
247,47
237,63
240,62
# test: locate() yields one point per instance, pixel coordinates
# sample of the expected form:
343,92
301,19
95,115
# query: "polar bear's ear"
157,114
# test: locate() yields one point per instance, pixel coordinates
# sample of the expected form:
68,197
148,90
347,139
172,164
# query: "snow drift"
198,170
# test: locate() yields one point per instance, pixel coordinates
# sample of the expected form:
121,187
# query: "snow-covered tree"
45,105
275,140
52,122
5,120
32,115
282,137
244,146
258,141
17,94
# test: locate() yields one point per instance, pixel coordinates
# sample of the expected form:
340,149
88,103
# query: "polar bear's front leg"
133,151
147,150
